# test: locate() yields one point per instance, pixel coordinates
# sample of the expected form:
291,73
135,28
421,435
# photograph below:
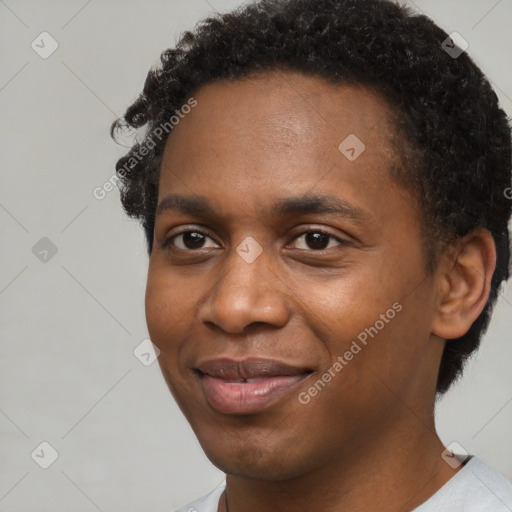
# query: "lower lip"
247,397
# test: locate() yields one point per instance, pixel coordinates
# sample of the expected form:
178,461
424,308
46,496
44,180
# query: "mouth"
247,386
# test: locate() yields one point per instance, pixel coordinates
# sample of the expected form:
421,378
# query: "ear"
464,282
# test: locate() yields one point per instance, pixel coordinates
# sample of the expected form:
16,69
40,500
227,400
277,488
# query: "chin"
248,459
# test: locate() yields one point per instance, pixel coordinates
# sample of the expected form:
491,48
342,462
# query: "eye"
318,240
188,240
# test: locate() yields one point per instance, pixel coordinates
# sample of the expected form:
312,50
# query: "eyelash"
168,242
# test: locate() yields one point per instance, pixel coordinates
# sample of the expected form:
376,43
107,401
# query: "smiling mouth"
246,396
248,386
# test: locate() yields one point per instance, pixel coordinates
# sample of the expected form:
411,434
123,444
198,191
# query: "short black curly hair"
455,142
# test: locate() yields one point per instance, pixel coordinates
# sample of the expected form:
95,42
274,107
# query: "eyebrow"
307,203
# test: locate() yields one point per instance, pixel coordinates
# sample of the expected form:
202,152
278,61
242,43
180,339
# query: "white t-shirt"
475,488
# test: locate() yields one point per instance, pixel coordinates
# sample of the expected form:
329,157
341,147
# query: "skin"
369,436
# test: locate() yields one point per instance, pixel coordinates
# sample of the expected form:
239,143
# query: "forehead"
280,128
286,106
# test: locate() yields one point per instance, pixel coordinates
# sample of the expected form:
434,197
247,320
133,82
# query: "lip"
247,386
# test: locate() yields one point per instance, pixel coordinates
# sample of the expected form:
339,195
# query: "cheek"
345,306
365,321
165,306
154,308
165,309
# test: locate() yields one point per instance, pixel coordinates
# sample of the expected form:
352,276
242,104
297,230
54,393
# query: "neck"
395,474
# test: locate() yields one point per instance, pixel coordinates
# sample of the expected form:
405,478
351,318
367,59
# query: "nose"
246,293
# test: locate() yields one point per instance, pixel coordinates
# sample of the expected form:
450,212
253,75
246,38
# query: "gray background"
69,325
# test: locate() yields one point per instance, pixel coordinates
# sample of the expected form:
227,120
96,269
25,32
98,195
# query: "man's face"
299,284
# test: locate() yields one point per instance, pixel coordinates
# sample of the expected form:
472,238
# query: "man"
322,186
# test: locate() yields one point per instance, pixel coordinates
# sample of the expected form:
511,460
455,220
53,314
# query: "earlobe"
464,282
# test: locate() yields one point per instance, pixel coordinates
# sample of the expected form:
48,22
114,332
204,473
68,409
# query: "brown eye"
187,240
317,240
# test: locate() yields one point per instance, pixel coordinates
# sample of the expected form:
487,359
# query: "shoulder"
475,488
207,503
